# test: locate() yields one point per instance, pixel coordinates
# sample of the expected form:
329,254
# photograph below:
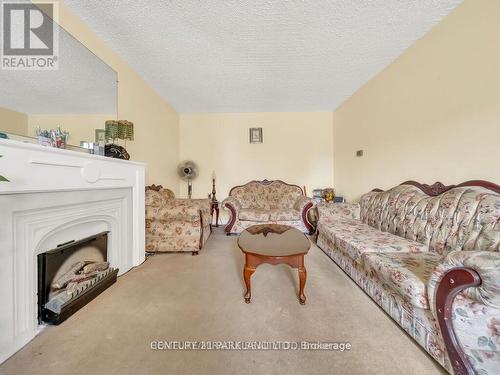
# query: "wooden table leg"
247,274
302,283
211,216
217,216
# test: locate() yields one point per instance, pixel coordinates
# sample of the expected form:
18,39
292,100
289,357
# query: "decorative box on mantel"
54,196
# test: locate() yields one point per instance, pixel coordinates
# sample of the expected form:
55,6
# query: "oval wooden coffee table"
274,244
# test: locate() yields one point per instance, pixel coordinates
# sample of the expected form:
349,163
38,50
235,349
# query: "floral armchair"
175,225
259,202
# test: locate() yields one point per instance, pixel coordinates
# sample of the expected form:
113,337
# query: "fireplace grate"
58,313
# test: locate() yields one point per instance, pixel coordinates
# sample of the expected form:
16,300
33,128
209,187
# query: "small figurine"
329,195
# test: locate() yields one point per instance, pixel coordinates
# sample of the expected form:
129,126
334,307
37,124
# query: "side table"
215,207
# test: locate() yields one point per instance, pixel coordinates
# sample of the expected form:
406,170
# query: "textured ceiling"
259,55
83,84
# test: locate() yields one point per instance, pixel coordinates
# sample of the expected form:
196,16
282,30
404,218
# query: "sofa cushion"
173,212
405,273
462,218
266,194
356,238
284,214
253,214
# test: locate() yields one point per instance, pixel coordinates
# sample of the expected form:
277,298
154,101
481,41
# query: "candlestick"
214,199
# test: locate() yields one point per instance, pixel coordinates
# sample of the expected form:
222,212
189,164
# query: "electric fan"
188,170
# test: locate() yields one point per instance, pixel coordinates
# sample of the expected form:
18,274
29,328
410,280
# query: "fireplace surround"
55,196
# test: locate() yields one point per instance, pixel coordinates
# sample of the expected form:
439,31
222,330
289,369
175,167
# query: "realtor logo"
29,35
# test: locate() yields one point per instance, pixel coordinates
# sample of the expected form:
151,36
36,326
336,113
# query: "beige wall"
13,122
297,148
80,127
156,123
434,114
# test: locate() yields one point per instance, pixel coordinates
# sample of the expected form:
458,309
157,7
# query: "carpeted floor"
181,297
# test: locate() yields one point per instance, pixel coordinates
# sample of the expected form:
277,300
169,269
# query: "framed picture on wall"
100,135
256,135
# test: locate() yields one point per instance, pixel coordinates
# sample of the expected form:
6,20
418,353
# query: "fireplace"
55,196
71,275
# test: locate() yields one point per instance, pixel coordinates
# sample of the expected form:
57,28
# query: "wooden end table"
274,244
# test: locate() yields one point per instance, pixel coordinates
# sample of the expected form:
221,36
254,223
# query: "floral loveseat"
175,225
259,202
399,245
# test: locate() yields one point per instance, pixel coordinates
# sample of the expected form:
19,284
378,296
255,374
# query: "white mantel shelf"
31,177
53,150
54,196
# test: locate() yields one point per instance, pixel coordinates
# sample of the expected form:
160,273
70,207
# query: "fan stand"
190,187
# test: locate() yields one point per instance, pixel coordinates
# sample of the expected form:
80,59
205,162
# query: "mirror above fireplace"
79,96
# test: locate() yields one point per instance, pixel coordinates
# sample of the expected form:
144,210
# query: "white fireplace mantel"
54,196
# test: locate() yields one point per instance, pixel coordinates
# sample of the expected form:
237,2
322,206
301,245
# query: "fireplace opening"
71,276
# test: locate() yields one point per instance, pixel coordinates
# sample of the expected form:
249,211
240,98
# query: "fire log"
68,276
97,266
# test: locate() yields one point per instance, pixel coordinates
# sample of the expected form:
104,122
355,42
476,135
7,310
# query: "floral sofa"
397,245
259,202
175,225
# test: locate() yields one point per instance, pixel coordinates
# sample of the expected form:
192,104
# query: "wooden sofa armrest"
452,283
304,204
476,276
233,205
485,263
